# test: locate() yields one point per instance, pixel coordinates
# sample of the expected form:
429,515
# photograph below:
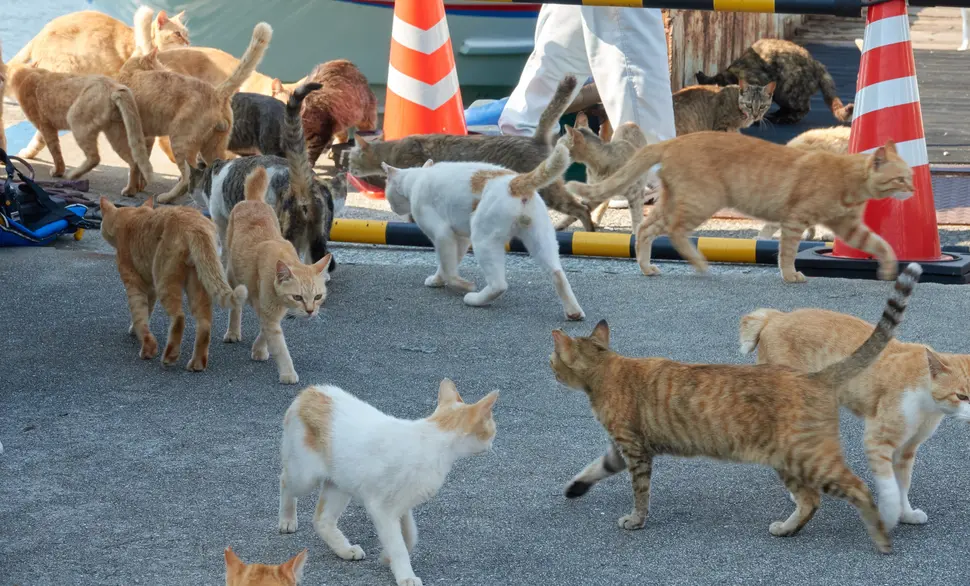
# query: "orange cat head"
889,175
951,383
170,33
239,573
302,288
572,358
112,217
473,422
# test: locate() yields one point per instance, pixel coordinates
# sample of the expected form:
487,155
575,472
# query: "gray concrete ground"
119,471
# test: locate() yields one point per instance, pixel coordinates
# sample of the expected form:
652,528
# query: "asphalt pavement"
119,471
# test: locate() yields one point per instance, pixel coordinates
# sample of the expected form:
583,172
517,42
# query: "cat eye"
318,297
961,397
297,298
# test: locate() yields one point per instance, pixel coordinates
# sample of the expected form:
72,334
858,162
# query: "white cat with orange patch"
349,449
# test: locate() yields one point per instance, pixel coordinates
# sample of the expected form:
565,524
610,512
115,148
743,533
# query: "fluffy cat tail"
256,184
124,100
844,370
526,184
143,30
293,142
843,113
202,251
262,34
751,327
549,121
639,163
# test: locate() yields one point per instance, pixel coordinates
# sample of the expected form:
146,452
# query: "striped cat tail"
841,112
844,370
525,185
294,143
262,33
549,120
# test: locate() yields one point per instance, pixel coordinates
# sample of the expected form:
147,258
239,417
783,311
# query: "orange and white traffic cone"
423,96
887,107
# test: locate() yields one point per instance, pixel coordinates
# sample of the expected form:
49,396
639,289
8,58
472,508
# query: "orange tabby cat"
238,573
768,415
902,397
196,116
87,105
160,253
260,258
704,172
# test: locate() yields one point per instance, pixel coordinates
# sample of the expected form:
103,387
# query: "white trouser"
625,51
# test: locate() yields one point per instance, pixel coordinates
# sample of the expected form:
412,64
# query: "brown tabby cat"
87,105
725,109
345,101
160,253
196,116
602,158
238,573
260,258
704,172
796,72
768,415
902,398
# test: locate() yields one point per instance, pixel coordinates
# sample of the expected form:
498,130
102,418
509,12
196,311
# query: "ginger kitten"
769,415
160,254
87,105
902,398
259,257
239,573
704,172
349,450
196,116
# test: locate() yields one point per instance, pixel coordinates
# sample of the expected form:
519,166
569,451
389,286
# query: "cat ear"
149,203
322,264
486,403
361,142
602,332
428,163
562,342
162,18
283,272
180,17
389,170
582,120
878,158
770,88
891,146
106,204
234,565
448,393
293,568
936,363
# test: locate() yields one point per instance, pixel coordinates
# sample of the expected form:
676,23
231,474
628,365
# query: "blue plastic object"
486,115
15,234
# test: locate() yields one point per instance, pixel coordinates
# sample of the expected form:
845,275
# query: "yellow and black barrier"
602,244
851,8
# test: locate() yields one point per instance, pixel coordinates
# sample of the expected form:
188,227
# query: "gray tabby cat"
518,153
724,109
304,205
257,125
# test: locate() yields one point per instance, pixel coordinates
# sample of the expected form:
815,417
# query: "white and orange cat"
259,257
239,573
903,396
349,450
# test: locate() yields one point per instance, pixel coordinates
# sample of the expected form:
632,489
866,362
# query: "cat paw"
260,354
288,525
131,329
577,488
576,316
415,581
632,522
434,280
170,356
289,378
197,364
352,554
462,284
232,337
57,172
149,347
650,270
914,517
474,299
796,277
888,273
778,529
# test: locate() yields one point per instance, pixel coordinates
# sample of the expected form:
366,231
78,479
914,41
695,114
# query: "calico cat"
767,415
258,257
344,101
797,75
704,172
160,253
603,157
518,153
485,206
196,116
349,450
726,109
833,140
239,573
87,105
90,42
902,398
305,206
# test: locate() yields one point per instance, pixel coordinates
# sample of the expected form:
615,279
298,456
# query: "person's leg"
627,52
559,51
